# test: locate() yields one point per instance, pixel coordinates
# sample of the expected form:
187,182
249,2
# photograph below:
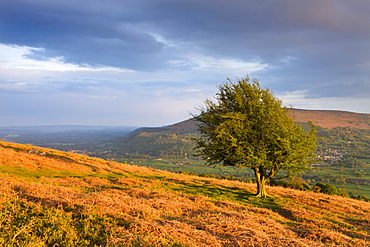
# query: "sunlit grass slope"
73,200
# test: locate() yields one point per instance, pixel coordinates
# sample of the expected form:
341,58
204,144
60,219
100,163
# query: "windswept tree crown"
248,127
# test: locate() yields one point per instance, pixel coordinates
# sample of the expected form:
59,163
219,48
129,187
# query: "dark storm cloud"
313,45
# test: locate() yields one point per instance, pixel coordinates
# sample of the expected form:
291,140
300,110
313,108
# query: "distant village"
329,156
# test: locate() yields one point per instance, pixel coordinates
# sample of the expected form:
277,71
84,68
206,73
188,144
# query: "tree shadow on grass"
220,193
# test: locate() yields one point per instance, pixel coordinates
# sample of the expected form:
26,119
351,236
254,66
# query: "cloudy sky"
151,62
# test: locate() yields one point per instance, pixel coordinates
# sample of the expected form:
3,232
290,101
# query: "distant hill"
175,138
330,119
327,119
184,126
52,198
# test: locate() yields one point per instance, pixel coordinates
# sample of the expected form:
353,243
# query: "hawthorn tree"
249,127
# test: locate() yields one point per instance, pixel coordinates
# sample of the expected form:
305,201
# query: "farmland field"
354,180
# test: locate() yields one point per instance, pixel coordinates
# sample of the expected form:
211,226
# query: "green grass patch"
40,172
190,165
44,172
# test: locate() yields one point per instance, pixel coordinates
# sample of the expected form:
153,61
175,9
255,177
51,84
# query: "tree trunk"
261,181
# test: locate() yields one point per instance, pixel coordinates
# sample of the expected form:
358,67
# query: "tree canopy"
248,127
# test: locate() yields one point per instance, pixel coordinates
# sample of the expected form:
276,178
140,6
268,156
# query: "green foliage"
361,198
294,183
28,224
249,127
329,189
326,189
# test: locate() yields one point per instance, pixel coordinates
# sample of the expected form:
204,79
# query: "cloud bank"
148,63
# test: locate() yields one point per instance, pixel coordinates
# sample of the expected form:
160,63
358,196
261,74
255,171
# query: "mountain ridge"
173,138
323,118
332,118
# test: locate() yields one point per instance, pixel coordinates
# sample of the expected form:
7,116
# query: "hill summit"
50,198
327,119
330,119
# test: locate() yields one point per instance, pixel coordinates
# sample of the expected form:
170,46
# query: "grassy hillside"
175,139
162,141
49,197
345,150
331,119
